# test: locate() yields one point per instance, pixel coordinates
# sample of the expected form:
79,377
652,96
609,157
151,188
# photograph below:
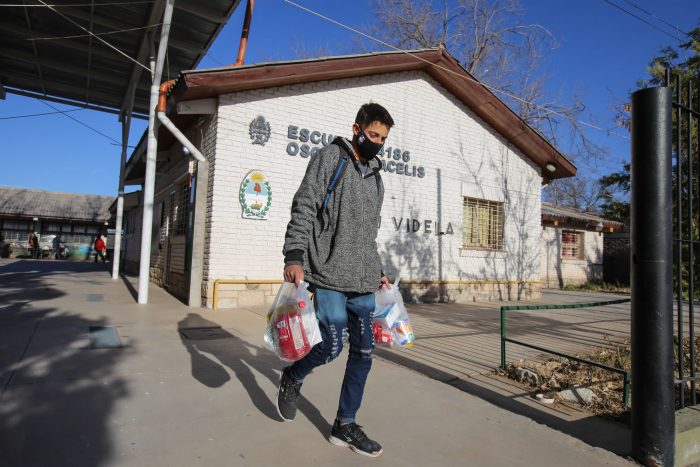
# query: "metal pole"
126,125
152,149
503,339
653,405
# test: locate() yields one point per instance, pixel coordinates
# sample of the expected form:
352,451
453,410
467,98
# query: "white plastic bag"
292,328
391,325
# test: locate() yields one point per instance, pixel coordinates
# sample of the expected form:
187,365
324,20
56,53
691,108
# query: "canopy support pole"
152,149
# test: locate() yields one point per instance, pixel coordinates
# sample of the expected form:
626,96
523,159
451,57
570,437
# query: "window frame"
493,213
578,245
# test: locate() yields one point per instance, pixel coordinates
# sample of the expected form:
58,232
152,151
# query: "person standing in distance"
331,243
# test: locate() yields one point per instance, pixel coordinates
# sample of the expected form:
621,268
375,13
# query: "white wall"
558,272
461,155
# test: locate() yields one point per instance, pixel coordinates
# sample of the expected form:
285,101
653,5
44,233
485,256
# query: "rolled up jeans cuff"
344,420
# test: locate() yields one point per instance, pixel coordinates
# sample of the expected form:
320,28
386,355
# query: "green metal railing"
505,338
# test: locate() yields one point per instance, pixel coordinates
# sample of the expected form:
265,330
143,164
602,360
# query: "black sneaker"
287,395
352,436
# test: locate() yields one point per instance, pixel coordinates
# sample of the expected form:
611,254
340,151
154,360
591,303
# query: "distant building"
78,218
572,246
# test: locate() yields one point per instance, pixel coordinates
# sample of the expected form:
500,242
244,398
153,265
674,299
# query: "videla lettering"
427,226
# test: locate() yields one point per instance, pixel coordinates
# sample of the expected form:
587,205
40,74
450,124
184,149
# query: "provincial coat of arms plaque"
259,130
255,196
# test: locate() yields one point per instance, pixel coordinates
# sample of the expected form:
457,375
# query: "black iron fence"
686,230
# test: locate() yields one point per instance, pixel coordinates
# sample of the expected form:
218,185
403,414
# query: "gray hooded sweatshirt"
337,246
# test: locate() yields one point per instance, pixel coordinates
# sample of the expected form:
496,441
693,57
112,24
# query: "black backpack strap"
343,163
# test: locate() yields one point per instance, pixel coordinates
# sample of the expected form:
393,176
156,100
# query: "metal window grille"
483,224
178,209
571,244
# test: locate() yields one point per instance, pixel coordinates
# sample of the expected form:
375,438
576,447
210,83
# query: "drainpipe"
244,33
162,104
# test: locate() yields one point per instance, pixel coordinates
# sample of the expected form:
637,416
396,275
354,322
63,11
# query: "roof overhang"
437,63
563,217
83,71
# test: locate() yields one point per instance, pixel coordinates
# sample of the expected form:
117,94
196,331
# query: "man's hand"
384,282
294,273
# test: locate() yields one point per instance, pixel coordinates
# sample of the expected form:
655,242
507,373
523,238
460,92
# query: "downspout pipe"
244,33
162,105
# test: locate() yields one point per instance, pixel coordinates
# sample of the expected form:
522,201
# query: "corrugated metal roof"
54,205
79,69
560,212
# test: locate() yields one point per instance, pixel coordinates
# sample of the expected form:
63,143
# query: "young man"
331,243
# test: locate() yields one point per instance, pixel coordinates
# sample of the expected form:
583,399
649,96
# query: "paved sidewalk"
166,400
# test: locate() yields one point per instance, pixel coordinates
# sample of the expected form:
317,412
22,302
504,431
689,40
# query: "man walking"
331,243
100,248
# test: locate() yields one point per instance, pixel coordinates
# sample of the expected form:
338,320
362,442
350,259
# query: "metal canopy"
84,71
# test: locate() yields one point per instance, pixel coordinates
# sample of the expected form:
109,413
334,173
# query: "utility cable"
78,121
642,20
77,36
80,4
12,117
96,37
656,17
491,88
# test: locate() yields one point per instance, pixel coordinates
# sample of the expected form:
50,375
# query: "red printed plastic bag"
391,325
292,328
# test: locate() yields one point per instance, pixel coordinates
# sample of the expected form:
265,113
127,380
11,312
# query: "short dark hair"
372,112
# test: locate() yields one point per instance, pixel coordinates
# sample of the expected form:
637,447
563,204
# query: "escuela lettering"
304,143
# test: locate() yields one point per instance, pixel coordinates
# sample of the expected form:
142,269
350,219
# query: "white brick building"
572,246
461,214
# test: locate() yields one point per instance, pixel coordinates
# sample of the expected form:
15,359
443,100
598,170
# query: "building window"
572,244
483,224
92,229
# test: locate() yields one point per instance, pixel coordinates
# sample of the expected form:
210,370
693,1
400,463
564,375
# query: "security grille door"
176,276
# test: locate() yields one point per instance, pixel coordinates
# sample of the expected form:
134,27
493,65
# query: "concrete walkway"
167,400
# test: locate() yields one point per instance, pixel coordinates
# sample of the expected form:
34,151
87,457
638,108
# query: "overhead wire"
12,117
76,5
609,2
96,37
78,121
491,88
656,17
77,36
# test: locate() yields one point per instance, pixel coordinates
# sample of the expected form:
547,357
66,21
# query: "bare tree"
493,44
581,193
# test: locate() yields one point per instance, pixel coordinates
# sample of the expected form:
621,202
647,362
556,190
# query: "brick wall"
460,154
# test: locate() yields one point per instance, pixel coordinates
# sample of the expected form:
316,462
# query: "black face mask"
365,147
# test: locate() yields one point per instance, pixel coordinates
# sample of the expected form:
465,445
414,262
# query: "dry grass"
557,374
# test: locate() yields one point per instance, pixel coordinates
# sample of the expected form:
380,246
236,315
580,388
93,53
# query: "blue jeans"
339,313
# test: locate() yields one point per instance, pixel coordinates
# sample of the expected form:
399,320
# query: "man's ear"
356,128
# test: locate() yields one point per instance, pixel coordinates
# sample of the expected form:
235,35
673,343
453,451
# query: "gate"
686,235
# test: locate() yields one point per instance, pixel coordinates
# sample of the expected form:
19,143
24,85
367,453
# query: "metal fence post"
503,338
653,405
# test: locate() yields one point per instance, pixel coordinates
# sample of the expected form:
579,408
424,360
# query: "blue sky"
602,52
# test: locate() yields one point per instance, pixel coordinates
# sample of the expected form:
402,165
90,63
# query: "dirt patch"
558,374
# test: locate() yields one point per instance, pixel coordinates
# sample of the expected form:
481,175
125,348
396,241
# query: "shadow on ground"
592,430
57,394
212,348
